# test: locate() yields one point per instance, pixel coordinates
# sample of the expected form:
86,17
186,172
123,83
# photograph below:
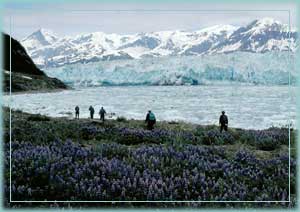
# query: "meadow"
119,160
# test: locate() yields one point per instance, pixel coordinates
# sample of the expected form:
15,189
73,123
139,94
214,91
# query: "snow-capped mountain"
40,38
260,36
48,50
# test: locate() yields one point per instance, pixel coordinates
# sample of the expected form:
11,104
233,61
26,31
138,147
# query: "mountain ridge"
259,36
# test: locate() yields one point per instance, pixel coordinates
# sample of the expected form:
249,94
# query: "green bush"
217,138
266,144
121,119
38,117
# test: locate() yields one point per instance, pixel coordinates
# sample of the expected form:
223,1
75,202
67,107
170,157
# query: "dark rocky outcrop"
26,76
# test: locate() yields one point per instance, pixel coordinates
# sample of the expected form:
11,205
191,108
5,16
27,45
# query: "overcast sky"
76,18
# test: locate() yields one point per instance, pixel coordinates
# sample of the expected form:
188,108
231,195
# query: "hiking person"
102,113
223,122
92,111
77,112
150,120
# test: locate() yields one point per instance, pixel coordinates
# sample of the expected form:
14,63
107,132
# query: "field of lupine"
60,159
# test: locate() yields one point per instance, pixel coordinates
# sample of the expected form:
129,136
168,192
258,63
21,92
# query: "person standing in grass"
223,122
102,113
92,111
150,120
77,112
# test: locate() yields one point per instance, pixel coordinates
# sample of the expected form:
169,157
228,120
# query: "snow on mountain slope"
96,46
260,36
208,39
47,50
40,38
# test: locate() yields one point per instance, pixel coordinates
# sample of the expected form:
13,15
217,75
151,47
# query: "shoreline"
194,110
121,86
124,119
36,91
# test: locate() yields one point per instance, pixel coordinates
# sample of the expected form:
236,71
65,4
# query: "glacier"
271,68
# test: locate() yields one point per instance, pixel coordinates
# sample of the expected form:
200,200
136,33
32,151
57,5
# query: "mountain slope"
260,36
40,38
25,75
21,62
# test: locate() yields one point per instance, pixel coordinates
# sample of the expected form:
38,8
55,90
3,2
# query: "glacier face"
272,68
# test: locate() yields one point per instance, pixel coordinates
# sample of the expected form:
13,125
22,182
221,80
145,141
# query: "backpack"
224,119
151,117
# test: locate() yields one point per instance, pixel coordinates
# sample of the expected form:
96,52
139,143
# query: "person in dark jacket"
77,112
102,113
150,120
223,122
92,111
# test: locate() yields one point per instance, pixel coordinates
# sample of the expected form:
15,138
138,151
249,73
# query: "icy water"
255,107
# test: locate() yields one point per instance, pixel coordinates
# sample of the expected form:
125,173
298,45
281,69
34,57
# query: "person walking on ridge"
150,120
223,122
77,112
102,113
92,111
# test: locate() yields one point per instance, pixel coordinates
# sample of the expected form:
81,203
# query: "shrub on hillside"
38,117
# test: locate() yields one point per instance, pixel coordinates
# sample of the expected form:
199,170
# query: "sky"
66,18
